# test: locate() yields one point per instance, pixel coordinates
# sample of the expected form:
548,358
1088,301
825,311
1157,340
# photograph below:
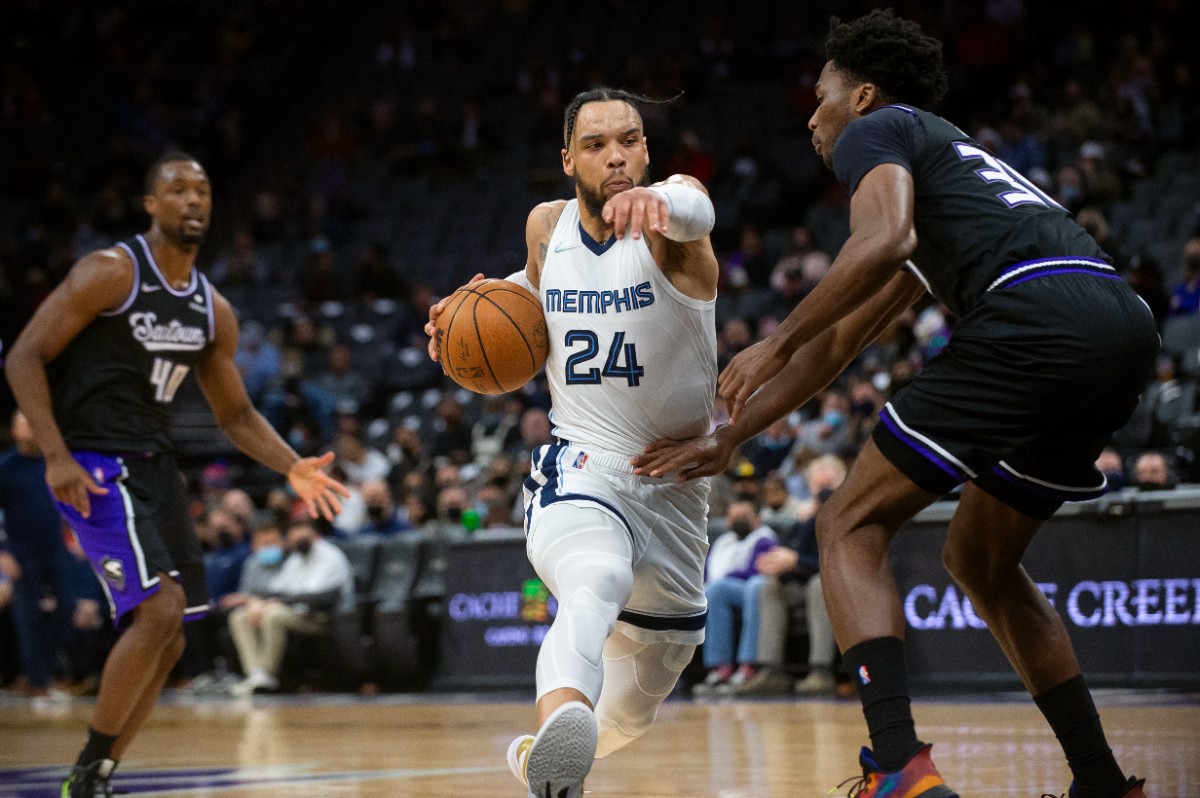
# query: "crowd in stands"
367,163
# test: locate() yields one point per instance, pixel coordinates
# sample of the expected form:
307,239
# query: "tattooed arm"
542,221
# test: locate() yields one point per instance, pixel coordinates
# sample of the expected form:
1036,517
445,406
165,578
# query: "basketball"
491,338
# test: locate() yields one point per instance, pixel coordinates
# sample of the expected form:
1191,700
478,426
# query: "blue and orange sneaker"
917,779
1133,789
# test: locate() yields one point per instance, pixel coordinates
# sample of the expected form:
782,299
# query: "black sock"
876,668
1073,717
99,746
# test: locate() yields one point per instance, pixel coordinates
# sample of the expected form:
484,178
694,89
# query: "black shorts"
138,530
1033,383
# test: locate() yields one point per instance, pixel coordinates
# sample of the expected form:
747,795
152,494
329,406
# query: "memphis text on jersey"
570,300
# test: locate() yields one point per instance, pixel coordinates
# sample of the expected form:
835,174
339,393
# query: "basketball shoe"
917,779
87,782
554,763
1133,789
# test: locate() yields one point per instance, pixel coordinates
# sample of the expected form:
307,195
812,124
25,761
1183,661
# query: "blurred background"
369,157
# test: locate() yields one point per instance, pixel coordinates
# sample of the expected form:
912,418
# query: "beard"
181,236
592,196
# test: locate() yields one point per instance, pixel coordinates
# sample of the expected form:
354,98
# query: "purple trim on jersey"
1034,275
212,314
1031,269
1048,492
109,538
921,448
904,108
133,292
166,283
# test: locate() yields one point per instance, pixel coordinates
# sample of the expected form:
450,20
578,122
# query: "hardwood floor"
454,746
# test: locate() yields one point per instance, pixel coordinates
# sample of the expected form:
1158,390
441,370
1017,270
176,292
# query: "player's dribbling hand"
435,310
71,484
634,208
697,457
746,373
316,489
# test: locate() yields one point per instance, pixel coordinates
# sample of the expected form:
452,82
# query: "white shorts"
665,521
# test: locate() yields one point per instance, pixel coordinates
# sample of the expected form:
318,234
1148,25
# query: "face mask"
269,555
1116,481
296,439
376,513
226,538
454,514
833,418
304,546
824,494
740,528
863,408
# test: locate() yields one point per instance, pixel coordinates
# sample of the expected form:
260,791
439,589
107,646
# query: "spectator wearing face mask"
260,566
792,574
732,587
313,579
829,433
382,516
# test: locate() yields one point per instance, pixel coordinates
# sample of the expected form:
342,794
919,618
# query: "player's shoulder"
106,273
547,213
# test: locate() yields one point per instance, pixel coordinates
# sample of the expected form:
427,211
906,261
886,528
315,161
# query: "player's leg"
149,698
130,683
585,556
854,529
637,679
983,551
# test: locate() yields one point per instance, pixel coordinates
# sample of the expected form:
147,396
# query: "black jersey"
113,385
974,214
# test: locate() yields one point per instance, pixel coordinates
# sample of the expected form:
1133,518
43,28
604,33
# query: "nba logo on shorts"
863,676
580,459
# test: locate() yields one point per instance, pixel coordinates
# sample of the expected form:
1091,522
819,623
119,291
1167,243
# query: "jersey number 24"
613,367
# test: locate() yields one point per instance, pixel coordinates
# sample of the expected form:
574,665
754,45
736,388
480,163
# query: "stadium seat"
396,644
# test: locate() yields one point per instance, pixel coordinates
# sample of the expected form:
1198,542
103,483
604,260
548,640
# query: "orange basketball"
491,338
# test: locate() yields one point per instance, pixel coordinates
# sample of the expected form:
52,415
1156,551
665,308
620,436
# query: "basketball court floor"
454,745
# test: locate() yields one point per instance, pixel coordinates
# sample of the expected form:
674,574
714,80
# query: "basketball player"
627,278
1043,317
95,372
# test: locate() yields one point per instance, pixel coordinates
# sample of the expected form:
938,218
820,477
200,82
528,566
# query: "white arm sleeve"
692,214
520,278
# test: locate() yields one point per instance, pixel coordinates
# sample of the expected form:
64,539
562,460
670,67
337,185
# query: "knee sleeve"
589,569
637,678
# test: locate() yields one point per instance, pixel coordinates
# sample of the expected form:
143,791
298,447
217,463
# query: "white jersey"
632,359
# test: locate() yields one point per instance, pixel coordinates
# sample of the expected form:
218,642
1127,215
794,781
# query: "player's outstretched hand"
633,209
435,310
697,457
71,484
317,489
746,373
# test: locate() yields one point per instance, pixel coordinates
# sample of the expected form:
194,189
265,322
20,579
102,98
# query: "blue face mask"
833,418
270,555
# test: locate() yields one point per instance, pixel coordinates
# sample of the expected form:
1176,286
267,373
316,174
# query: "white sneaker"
562,753
518,755
254,681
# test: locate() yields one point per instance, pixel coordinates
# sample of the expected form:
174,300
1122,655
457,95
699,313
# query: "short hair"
170,156
891,52
600,95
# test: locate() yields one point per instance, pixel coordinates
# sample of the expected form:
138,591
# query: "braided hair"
891,52
602,94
